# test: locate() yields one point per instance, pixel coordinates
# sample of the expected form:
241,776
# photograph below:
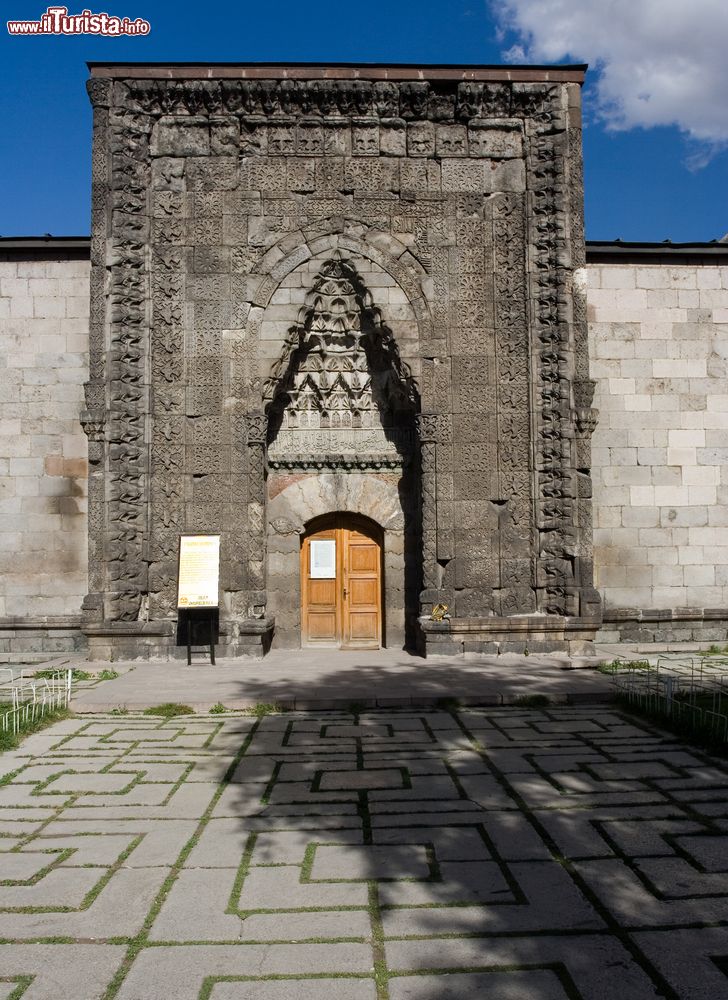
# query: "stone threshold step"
344,704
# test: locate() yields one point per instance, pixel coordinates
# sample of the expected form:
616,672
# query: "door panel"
322,627
322,592
346,610
363,629
363,557
320,618
362,590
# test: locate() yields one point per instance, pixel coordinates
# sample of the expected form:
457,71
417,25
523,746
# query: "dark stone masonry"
338,288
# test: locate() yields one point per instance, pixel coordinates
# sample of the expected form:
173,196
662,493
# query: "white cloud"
659,62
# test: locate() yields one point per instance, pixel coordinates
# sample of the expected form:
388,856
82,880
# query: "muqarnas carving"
340,387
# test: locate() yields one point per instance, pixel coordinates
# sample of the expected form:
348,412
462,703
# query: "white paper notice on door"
323,559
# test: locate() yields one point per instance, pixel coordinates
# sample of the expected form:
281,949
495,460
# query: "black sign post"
198,627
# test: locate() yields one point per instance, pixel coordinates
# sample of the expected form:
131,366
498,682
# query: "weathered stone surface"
367,779
304,275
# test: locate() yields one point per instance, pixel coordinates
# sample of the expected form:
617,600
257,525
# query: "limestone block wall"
44,309
659,354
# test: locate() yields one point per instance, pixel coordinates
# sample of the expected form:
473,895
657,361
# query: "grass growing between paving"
107,675
76,673
532,701
619,666
384,978
141,939
9,740
262,709
169,710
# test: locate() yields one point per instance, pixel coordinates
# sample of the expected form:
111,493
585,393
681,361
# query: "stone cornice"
568,73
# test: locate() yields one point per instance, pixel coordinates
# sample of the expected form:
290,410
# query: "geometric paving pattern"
514,853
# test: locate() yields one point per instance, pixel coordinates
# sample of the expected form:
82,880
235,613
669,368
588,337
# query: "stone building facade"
320,289
357,292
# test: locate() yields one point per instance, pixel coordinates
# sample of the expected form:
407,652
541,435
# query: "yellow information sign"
199,569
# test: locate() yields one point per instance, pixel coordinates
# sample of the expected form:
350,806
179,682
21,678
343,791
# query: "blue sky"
655,142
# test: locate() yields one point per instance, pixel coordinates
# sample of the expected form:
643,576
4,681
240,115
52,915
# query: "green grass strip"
11,741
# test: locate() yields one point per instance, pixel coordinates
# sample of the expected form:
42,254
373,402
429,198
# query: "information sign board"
199,570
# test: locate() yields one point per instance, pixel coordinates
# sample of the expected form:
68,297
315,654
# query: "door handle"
344,593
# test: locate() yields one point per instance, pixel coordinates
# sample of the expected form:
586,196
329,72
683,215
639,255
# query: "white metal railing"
28,697
692,690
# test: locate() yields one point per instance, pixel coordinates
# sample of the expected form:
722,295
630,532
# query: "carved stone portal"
333,286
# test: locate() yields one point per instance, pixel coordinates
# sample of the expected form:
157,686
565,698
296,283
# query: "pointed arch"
351,237
340,367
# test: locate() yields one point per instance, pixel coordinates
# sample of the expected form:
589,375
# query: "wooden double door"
341,583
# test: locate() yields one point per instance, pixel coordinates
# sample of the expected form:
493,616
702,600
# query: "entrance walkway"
561,854
326,679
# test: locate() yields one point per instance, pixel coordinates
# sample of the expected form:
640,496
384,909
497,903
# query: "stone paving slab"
296,989
52,971
535,984
180,972
351,864
521,853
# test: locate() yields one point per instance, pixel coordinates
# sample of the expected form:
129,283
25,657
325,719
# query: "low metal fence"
692,691
26,698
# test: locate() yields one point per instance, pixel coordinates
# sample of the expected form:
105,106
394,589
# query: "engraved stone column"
551,346
128,389
584,416
92,422
168,425
427,424
93,417
257,427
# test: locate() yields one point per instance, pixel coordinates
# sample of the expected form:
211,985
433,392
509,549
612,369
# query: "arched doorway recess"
341,409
